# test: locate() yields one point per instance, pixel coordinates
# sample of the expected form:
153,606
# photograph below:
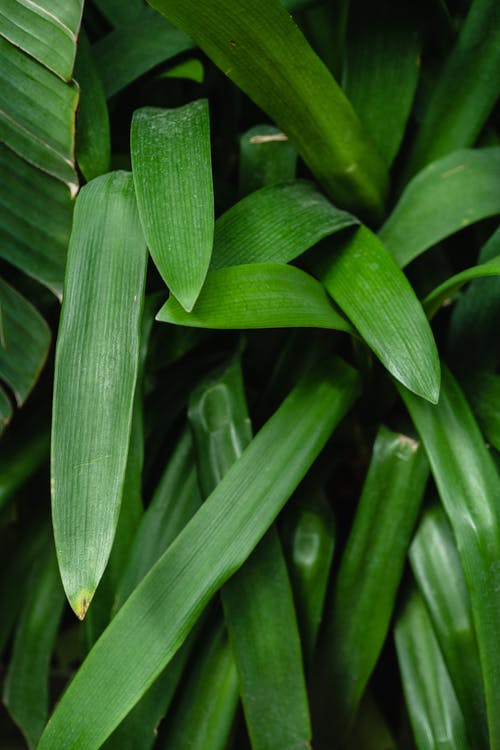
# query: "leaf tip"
81,604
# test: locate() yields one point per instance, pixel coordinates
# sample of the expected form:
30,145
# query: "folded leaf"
448,195
365,282
469,486
173,182
96,368
275,225
261,295
257,44
215,543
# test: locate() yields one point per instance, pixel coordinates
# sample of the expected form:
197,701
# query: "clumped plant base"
250,309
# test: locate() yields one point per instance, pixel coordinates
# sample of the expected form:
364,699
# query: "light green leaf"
469,488
26,688
135,48
215,543
96,368
266,157
93,145
261,295
258,45
48,32
437,570
356,626
173,182
381,67
466,90
365,282
275,225
26,341
35,224
431,701
448,195
190,70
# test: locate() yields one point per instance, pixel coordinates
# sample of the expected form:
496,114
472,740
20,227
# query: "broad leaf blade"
261,295
365,282
257,44
215,543
173,181
275,225
464,186
97,361
469,487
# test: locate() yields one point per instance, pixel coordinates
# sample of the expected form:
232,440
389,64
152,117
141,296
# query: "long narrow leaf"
257,44
215,543
173,182
97,361
365,282
448,288
469,487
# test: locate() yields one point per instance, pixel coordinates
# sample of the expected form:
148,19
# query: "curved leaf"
97,359
173,181
447,289
258,45
262,295
133,650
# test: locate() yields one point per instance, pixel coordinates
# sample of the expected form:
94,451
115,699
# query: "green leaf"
189,70
381,67
437,570
448,195
441,294
23,453
276,224
261,295
356,626
483,390
93,144
214,544
97,360
257,44
266,157
35,225
26,688
365,282
474,319
42,136
135,48
26,341
257,601
173,182
469,486
431,701
119,13
5,413
205,711
466,89
46,32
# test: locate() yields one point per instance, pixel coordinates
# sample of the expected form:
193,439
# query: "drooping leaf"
448,288
380,89
26,341
448,195
97,361
258,45
214,544
437,570
135,48
276,224
266,157
93,144
46,32
466,89
173,182
257,601
469,486
431,701
205,712
26,689
260,295
365,282
357,624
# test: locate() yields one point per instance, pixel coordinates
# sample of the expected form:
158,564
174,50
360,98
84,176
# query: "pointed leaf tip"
81,603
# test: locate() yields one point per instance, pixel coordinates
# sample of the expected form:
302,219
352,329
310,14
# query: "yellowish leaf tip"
81,604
